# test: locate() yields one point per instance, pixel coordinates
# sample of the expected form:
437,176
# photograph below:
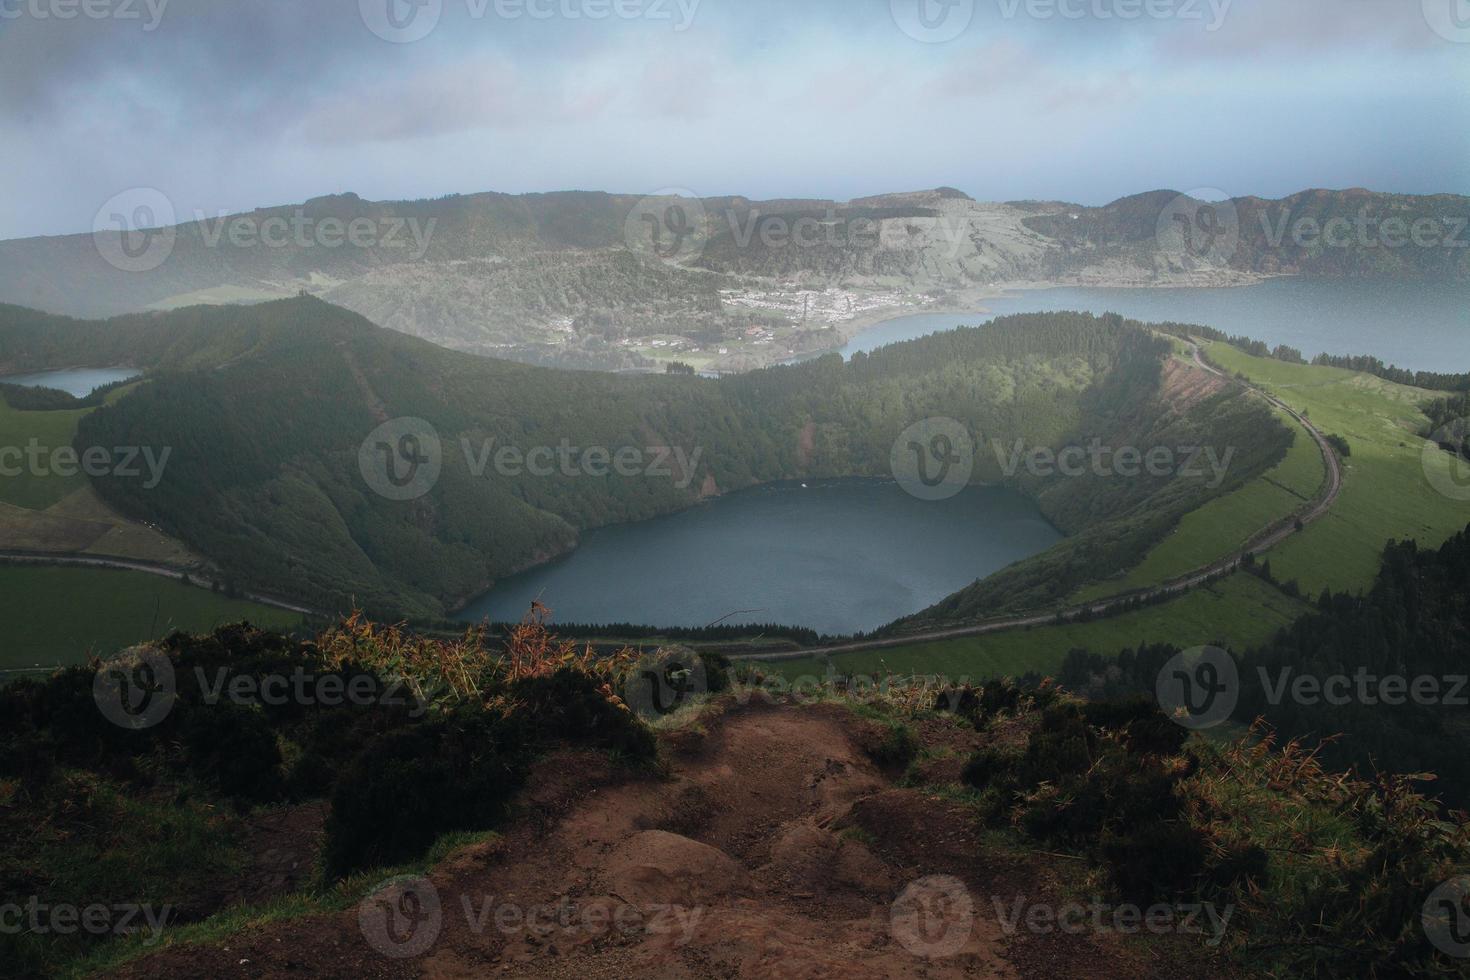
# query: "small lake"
839,556
1422,326
79,382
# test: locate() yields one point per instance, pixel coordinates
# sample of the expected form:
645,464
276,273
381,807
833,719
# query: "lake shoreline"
971,304
775,554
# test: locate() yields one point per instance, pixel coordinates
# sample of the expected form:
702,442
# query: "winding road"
148,568
1267,537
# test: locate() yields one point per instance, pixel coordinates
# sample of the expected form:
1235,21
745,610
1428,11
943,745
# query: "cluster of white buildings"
816,307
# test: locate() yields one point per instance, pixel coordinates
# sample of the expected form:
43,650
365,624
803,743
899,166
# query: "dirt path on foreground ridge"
773,848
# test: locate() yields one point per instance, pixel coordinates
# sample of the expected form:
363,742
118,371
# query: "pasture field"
1237,611
30,489
1386,494
63,615
1226,523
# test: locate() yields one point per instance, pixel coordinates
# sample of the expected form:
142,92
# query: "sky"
228,105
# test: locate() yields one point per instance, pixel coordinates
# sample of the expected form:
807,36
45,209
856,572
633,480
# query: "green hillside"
267,408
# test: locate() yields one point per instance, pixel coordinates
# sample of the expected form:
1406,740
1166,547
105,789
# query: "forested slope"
266,409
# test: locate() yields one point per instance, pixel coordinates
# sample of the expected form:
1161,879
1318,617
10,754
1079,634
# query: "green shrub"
979,705
716,672
233,748
409,787
1102,779
1144,727
570,704
1155,859
897,748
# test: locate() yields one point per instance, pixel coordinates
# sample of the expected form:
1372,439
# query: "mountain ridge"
565,278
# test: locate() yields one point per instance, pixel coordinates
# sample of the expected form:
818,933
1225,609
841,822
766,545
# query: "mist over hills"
619,281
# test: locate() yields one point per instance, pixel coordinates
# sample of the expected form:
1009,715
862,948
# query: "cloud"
264,101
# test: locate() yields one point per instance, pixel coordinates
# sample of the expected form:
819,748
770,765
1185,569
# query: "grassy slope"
1385,494
51,430
1227,522
60,615
1209,615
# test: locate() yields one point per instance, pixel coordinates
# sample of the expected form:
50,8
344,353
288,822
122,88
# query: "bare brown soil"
772,847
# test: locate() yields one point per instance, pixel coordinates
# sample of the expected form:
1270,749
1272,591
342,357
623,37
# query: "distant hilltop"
584,278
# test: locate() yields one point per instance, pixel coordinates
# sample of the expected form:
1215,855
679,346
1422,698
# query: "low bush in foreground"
1328,872
408,739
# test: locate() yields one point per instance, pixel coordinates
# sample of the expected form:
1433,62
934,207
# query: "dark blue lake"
80,382
838,556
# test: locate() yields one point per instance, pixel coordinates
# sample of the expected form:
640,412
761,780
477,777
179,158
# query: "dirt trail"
773,848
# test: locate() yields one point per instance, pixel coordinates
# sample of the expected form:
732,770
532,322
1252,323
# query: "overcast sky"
226,105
